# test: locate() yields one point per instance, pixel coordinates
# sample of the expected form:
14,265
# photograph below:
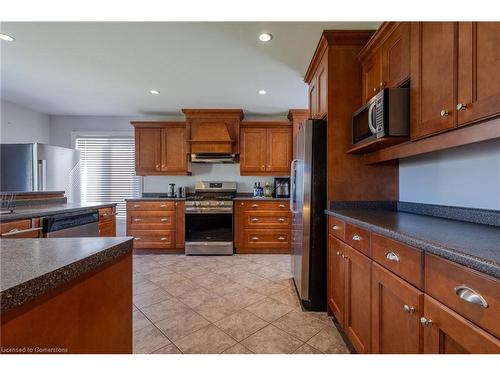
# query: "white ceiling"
108,68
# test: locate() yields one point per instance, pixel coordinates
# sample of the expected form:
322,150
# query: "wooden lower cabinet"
336,279
26,228
107,222
446,332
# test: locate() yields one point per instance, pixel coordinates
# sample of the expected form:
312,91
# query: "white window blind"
107,170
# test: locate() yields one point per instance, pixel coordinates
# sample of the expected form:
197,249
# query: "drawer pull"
19,231
281,238
338,253
137,205
281,220
425,322
356,237
137,238
163,219
136,220
255,238
255,205
471,296
281,205
163,238
255,219
343,256
392,256
105,214
335,227
163,205
408,309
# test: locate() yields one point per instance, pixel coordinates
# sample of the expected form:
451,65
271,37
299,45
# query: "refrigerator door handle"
42,174
292,185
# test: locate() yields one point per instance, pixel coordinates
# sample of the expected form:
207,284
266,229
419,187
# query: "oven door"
209,233
364,127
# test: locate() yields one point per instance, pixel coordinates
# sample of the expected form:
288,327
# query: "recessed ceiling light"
154,92
6,37
265,37
262,92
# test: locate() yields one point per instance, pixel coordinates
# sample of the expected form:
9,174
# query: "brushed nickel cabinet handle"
469,295
281,219
255,238
338,253
137,238
461,107
163,219
392,256
425,322
137,205
335,227
374,89
281,206
408,309
356,237
15,231
254,219
281,238
163,238
136,220
343,256
163,205
255,205
444,113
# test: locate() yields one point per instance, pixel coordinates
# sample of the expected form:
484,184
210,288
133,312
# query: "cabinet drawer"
107,229
266,238
465,291
267,219
401,259
106,213
358,238
336,227
153,239
19,229
151,220
265,205
151,206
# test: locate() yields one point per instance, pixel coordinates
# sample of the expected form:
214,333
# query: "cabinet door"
336,279
478,71
173,149
446,332
371,76
147,150
313,98
434,83
322,82
396,56
180,224
358,304
279,150
253,150
396,310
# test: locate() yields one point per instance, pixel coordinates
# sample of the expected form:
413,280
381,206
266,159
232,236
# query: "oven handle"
370,117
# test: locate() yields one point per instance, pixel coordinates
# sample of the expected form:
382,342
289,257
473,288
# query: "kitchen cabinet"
262,226
395,55
336,279
26,228
396,309
318,91
157,225
265,148
160,148
434,84
107,222
446,332
478,65
372,76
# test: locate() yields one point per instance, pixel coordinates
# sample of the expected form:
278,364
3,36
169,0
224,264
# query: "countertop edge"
478,264
153,199
29,290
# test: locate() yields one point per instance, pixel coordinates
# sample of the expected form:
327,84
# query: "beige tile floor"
238,304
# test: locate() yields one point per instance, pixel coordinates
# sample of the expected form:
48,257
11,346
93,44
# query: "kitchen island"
66,295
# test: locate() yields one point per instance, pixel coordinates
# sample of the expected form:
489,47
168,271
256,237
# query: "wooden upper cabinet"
372,76
396,310
265,148
313,98
433,71
322,83
253,150
478,71
147,150
336,279
173,149
395,55
279,149
446,332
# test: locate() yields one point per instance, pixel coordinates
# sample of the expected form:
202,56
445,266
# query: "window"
107,170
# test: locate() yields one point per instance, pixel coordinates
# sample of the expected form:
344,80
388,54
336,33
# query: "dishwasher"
75,224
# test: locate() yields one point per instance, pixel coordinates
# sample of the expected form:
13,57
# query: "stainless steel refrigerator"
40,167
307,203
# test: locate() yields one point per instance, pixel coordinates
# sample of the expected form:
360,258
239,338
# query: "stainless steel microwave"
387,114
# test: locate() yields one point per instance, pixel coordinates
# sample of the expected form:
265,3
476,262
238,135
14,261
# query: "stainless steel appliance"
307,203
282,187
214,158
40,167
74,224
171,191
209,219
387,114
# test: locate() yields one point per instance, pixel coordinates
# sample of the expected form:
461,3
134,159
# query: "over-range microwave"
387,114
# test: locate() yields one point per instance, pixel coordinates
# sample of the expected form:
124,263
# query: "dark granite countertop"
473,245
250,197
48,192
31,267
28,212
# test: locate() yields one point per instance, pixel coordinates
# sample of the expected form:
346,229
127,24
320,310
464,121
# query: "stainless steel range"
209,219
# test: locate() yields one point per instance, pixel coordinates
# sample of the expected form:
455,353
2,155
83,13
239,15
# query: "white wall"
23,125
467,176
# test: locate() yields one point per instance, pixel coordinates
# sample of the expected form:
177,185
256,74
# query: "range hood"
214,158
